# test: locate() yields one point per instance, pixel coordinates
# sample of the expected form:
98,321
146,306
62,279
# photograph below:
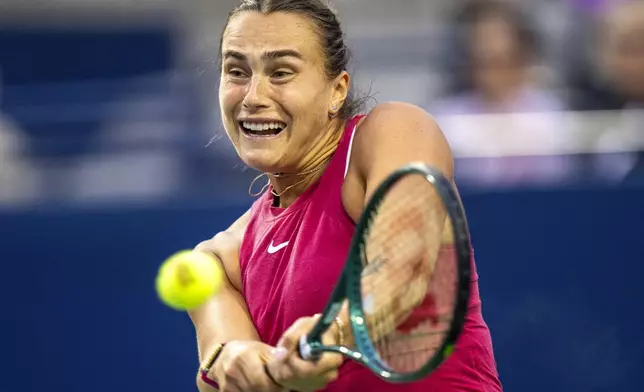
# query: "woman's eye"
281,74
236,73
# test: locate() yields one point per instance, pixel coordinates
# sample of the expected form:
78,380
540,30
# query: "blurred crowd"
540,91
577,55
545,56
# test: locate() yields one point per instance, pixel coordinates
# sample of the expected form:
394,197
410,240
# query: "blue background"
560,278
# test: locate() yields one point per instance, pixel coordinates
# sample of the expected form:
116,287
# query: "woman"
286,106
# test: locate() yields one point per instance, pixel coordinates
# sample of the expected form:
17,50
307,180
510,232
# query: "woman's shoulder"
394,120
395,108
390,134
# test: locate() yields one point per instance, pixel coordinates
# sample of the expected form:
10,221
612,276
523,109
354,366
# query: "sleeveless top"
291,258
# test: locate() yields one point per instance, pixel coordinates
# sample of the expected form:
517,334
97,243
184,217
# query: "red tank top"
291,258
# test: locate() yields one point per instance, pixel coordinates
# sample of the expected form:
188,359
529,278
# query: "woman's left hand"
295,374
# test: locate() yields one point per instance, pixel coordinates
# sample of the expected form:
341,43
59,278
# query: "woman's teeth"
271,128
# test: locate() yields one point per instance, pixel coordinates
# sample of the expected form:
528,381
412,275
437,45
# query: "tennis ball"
187,279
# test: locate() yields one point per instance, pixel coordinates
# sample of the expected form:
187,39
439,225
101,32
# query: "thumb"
288,343
279,353
285,346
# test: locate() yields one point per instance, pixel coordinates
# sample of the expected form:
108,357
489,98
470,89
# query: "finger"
296,370
226,386
233,376
292,335
251,378
229,380
217,373
293,367
245,382
317,377
274,380
303,368
287,344
278,371
290,339
331,376
331,362
261,379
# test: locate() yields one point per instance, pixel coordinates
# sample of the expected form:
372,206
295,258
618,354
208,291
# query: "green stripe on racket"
405,286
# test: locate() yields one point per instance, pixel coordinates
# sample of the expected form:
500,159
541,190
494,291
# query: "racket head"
367,351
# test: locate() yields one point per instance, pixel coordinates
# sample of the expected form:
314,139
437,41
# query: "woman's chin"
262,161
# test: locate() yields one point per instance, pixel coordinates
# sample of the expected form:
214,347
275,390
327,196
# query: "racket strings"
407,307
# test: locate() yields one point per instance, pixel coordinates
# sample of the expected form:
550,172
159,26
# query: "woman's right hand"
240,368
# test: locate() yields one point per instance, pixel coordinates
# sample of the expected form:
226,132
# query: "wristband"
207,364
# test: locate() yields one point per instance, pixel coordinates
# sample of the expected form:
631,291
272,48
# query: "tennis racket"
406,281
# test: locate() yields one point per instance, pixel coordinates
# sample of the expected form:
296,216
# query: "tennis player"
287,107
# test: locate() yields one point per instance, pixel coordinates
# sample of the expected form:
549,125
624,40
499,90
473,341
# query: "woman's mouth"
261,129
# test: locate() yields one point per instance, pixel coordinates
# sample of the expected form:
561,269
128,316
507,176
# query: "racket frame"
349,286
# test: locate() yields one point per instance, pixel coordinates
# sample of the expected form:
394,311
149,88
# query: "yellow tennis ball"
187,279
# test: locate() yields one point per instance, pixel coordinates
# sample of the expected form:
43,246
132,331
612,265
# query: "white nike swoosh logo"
272,249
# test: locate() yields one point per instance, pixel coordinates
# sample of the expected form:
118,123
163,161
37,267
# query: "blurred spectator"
502,49
502,53
617,78
617,83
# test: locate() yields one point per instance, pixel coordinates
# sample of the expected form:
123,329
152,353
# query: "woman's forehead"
251,32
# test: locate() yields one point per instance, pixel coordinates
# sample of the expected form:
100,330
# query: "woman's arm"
392,135
224,318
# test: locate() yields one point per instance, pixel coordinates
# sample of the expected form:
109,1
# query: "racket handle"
306,351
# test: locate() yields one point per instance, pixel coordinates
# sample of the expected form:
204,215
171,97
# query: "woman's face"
497,62
623,50
274,93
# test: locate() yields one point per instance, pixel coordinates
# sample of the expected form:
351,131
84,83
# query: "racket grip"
306,351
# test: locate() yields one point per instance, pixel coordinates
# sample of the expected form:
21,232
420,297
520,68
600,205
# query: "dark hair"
525,34
336,53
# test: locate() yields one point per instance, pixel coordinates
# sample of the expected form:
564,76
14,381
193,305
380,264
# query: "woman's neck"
287,187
